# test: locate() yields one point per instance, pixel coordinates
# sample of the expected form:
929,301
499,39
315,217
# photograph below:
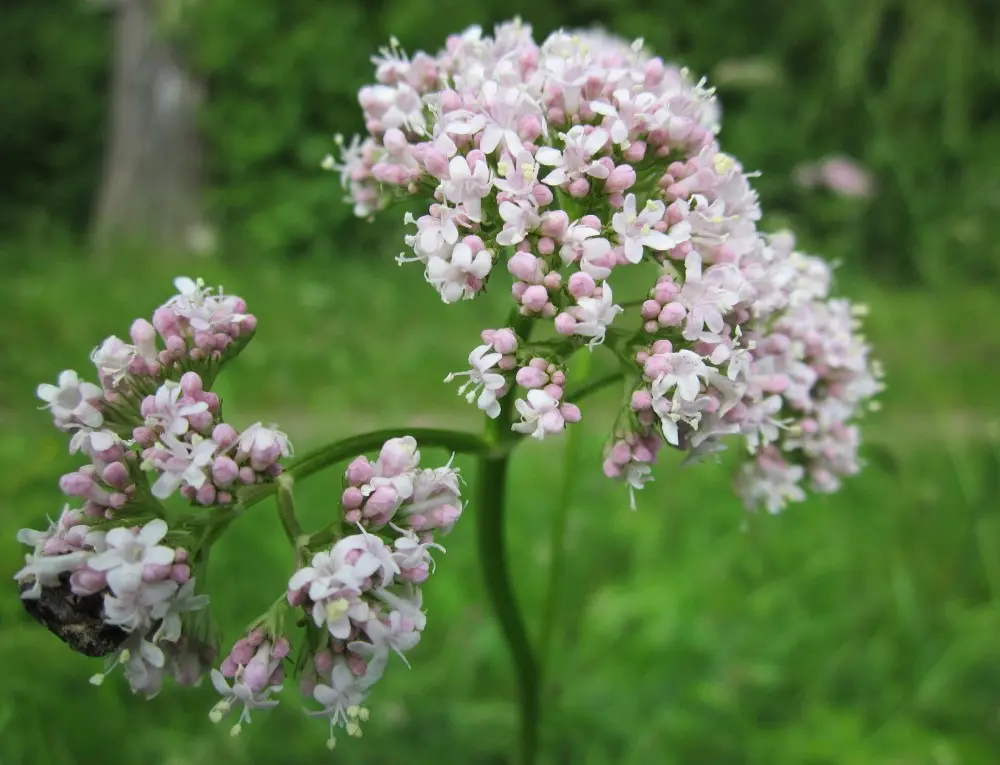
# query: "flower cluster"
361,596
150,429
564,162
141,587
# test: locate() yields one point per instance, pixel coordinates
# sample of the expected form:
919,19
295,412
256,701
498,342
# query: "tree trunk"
151,190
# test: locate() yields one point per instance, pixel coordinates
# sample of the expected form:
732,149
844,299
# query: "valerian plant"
561,164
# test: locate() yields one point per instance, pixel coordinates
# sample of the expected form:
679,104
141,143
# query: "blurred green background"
859,629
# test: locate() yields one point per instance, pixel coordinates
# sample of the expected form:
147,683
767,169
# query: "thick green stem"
492,558
491,537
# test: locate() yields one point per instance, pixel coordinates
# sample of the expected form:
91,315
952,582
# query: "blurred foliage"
909,88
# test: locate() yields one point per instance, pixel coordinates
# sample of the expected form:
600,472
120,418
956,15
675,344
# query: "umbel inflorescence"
118,576
564,162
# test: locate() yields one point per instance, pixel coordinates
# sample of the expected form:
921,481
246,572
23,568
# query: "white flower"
636,229
112,359
184,601
168,413
342,696
710,296
519,218
482,380
395,633
540,415
203,310
583,243
92,441
128,551
408,606
468,187
594,315
340,614
45,570
519,177
632,111
636,475
72,401
185,464
770,483
240,693
265,445
411,552
132,609
687,370
575,160
461,277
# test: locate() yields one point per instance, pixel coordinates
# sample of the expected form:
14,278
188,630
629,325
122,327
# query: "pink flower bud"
542,194
116,475
225,435
650,309
517,289
611,469
191,385
436,162
546,246
180,572
672,315
359,471
165,322
281,648
641,399
381,504
525,267
505,341
531,377
663,346
621,178
206,495
86,581
570,412
581,285
621,453
155,573
591,221
635,152
535,297
224,471
553,390
242,652
450,101
352,498
554,223
246,475
552,280
417,574
655,366
565,324
529,127
579,188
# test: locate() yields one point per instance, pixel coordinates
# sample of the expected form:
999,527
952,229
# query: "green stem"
286,510
325,456
491,538
492,559
557,539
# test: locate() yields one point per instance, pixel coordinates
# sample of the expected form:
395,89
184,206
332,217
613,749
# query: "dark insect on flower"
74,619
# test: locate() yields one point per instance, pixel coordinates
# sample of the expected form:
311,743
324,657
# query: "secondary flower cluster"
361,596
562,163
150,429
